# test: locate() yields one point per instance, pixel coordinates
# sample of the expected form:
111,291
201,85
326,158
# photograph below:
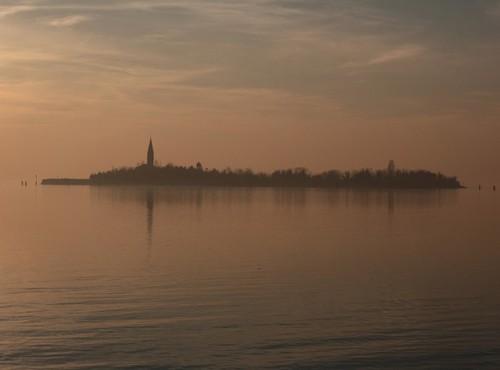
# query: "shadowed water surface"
154,278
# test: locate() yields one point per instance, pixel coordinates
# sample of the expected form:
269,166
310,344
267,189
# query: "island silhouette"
150,173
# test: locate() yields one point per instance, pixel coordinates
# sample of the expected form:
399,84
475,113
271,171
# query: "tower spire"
151,154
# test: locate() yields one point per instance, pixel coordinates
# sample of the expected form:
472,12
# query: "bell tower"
151,154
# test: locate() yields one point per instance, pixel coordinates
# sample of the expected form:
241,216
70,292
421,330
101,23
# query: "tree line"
296,177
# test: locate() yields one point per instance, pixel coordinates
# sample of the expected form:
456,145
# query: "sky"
260,84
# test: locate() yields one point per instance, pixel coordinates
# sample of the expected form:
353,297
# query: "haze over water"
165,277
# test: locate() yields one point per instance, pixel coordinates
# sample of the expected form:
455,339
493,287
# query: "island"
151,174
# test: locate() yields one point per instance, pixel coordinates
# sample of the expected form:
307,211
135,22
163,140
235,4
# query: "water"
155,278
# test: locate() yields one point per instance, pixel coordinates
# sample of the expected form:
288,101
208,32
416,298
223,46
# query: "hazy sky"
263,84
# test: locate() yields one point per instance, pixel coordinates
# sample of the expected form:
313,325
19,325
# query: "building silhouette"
151,154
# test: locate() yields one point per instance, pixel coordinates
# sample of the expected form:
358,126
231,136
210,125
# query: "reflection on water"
287,198
195,196
150,202
160,277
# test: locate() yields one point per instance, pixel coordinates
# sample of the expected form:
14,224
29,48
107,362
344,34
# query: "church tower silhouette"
151,154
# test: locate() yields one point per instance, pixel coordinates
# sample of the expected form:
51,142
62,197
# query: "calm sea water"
159,278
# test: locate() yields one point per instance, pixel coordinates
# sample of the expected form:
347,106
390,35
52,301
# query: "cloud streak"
398,54
6,11
69,21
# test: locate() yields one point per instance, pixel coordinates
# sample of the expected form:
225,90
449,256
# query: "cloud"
404,52
5,11
69,21
390,56
331,50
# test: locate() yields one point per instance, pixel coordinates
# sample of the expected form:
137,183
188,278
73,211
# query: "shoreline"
88,182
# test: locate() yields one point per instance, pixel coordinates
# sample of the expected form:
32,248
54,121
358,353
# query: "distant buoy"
494,188
479,187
